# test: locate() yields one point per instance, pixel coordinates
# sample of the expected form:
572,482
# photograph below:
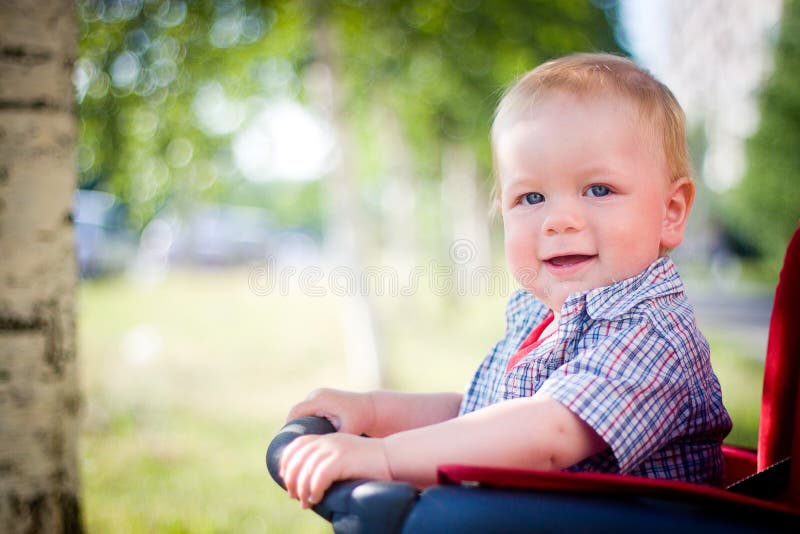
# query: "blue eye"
532,198
598,191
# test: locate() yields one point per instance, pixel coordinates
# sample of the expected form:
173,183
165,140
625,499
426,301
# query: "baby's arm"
530,433
533,432
378,413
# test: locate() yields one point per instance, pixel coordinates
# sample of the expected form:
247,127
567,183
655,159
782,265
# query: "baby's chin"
554,296
552,299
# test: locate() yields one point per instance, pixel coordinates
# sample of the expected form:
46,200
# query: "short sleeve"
630,387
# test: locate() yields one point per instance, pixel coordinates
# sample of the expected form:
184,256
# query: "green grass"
740,375
186,382
175,432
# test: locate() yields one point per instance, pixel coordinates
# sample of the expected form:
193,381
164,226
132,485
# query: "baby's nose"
562,216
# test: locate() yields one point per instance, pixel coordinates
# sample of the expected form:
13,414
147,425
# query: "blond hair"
595,75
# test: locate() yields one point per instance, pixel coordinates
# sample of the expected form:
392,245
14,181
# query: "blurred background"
279,196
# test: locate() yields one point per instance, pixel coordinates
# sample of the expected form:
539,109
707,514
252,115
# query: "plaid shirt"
628,360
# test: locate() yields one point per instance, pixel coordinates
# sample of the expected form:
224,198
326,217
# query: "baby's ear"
678,204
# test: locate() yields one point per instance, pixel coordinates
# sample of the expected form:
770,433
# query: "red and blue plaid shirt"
628,360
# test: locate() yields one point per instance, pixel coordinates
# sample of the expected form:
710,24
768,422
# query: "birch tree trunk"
39,396
399,196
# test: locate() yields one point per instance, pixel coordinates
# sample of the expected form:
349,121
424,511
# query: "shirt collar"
659,279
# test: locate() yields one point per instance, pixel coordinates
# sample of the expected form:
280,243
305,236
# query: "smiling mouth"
568,260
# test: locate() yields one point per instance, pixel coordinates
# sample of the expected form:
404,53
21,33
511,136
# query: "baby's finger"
302,409
291,451
305,473
311,408
292,459
321,480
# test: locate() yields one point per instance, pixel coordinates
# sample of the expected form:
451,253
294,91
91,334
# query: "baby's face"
584,196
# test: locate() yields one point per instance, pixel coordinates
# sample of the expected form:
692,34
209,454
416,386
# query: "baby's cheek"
522,269
519,246
632,256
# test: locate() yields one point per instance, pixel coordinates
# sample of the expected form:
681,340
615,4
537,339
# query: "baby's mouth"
568,260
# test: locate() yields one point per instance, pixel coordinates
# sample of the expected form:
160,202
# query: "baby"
602,367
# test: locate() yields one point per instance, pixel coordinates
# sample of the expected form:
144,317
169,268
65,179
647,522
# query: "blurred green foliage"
149,70
140,70
763,211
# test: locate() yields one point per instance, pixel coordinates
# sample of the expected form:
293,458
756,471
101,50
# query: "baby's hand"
351,413
310,464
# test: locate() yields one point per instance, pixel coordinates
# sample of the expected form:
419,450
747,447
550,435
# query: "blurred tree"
763,211
163,85
39,397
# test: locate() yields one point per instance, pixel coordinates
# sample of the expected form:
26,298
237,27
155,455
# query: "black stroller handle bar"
350,505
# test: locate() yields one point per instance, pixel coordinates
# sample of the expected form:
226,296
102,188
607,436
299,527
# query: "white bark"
466,206
39,396
345,232
399,194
